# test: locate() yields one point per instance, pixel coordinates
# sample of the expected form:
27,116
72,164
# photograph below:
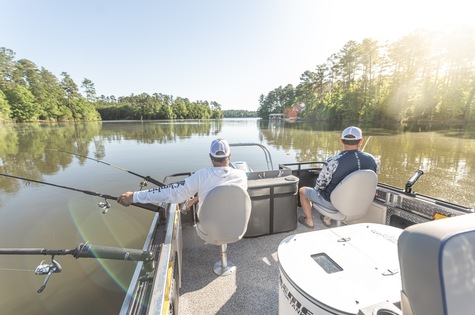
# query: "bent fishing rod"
366,143
83,250
103,205
142,184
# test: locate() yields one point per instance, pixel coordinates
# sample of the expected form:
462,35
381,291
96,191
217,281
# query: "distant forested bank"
424,76
421,77
32,93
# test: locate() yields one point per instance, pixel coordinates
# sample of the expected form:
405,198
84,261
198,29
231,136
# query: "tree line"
156,106
239,113
424,76
29,93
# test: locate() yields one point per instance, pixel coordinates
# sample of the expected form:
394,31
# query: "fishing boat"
402,253
276,117
283,267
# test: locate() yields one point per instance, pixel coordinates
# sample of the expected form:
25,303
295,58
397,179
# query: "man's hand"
192,201
126,199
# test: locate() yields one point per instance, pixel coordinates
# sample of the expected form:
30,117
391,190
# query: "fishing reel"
104,205
143,184
48,270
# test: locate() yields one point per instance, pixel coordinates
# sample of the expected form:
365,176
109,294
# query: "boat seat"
352,197
223,219
437,261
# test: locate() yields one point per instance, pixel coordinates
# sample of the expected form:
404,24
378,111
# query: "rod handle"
413,180
116,253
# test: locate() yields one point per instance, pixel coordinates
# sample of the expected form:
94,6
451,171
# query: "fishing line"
83,250
142,184
103,205
12,269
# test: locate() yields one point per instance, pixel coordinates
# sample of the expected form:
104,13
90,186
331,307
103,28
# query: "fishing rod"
83,250
366,143
142,184
103,205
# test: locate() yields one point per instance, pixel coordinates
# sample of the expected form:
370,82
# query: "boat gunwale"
135,277
157,301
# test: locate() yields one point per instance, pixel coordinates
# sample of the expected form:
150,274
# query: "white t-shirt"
200,182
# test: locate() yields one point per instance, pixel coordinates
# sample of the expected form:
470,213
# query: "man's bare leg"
306,205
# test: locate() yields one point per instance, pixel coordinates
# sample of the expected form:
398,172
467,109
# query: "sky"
227,51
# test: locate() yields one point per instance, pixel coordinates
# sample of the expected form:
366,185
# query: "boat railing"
154,285
403,203
417,208
167,278
167,179
270,165
130,302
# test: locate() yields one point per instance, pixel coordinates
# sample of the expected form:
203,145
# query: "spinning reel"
48,270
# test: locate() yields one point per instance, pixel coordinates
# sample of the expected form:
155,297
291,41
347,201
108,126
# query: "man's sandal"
303,222
327,224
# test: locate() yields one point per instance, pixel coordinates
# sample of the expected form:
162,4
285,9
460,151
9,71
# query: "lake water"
41,216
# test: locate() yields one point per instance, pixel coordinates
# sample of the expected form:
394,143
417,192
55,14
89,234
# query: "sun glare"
390,20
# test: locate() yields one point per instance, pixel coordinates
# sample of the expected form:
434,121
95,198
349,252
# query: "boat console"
274,202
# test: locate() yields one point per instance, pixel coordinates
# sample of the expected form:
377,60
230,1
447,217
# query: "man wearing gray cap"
200,182
335,169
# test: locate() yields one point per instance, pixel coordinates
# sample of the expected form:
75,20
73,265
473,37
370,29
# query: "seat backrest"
355,193
224,215
437,262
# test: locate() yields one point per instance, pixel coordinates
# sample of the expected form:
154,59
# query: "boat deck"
252,289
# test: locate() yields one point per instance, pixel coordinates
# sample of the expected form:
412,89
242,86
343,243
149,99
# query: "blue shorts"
315,197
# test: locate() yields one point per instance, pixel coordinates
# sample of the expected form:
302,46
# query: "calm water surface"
40,216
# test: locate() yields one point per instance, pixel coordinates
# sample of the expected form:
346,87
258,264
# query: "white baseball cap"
219,148
352,133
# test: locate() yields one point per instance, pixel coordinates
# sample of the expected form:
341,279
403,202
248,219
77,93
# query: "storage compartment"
307,172
274,202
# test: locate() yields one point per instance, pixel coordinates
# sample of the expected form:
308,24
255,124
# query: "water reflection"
444,153
35,150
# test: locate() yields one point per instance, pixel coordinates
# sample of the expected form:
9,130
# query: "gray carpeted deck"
252,289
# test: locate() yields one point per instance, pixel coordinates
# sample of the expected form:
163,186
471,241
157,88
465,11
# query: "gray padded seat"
352,197
223,219
437,261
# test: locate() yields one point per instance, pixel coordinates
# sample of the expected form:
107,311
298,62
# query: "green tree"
52,97
4,107
89,90
22,103
166,112
216,111
179,108
44,87
7,57
348,62
276,101
71,91
423,75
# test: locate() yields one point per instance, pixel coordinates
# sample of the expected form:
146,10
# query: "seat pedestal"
224,267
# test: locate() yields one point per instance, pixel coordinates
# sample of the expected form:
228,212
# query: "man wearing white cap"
335,169
200,182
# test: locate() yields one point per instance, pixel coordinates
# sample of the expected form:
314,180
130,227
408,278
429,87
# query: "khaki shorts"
315,197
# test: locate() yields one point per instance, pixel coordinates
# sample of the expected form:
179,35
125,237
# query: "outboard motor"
241,165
